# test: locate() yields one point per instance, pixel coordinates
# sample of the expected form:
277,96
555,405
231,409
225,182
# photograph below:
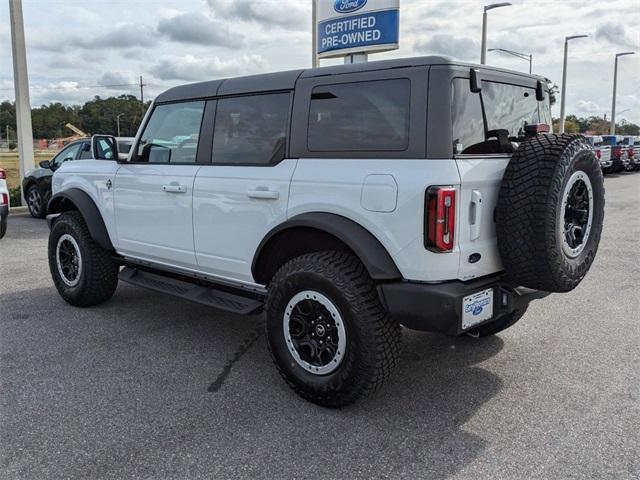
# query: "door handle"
263,193
476,214
174,188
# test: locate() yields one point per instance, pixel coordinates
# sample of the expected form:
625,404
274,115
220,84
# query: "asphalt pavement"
148,386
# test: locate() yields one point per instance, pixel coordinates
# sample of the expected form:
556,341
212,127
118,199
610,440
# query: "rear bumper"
605,163
438,307
4,212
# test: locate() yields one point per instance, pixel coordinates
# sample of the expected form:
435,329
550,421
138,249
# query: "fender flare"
368,248
76,199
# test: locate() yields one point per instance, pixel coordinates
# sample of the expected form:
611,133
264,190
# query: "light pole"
524,56
612,130
24,128
483,52
118,122
564,78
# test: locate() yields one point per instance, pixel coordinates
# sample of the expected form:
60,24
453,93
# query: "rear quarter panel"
336,186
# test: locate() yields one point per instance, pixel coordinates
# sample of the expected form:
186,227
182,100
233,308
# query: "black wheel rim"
34,201
314,332
68,260
578,213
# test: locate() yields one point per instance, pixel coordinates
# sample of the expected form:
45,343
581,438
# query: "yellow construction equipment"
76,130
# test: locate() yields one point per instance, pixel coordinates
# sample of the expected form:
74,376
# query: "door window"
67,154
172,133
360,116
251,130
85,151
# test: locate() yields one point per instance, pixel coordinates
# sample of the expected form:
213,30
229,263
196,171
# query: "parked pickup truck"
631,152
344,202
602,151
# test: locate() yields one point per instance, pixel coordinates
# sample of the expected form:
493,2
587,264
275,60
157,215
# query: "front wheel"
36,202
82,271
328,334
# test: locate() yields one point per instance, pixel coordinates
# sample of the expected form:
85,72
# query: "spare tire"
550,212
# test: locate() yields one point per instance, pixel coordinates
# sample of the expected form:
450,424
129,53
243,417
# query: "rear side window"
360,116
251,130
172,133
509,107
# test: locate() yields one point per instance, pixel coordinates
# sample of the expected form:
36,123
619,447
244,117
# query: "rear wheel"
36,202
82,271
328,334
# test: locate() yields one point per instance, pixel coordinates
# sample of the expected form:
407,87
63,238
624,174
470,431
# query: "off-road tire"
99,276
499,325
373,337
42,211
530,215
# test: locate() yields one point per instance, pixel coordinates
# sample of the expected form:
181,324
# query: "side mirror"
45,164
104,147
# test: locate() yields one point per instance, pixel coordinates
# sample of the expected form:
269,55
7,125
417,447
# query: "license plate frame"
477,308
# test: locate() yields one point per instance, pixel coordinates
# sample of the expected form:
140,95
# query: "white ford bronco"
343,201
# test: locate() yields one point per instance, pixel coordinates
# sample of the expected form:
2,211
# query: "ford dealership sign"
356,26
348,6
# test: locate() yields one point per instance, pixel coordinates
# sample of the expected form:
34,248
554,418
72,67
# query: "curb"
18,209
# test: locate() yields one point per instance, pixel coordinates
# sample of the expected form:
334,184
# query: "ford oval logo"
348,6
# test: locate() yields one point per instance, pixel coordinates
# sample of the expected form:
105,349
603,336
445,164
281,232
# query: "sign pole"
314,34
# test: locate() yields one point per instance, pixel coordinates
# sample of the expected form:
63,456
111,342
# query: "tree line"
99,116
95,116
595,125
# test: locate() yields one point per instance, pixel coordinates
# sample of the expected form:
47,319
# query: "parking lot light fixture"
564,79
524,56
612,129
483,52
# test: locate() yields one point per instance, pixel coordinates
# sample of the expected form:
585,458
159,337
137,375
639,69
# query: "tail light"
598,154
631,153
4,198
440,222
616,151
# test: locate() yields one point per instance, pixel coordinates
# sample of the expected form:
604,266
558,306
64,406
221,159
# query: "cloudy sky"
75,47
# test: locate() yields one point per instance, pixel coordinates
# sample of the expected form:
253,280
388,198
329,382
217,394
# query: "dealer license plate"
477,308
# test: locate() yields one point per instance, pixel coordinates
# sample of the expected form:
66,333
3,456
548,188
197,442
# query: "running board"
210,296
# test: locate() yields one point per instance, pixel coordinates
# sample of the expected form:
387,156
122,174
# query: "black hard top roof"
286,80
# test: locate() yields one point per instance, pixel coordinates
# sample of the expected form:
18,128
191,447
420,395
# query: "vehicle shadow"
163,387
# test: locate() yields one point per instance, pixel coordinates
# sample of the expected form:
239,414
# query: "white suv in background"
343,201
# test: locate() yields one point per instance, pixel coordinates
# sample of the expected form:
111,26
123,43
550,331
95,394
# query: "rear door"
243,193
487,127
154,192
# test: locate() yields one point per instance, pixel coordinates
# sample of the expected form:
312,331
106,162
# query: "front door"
154,192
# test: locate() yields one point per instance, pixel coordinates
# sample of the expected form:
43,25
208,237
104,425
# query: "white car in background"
4,202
